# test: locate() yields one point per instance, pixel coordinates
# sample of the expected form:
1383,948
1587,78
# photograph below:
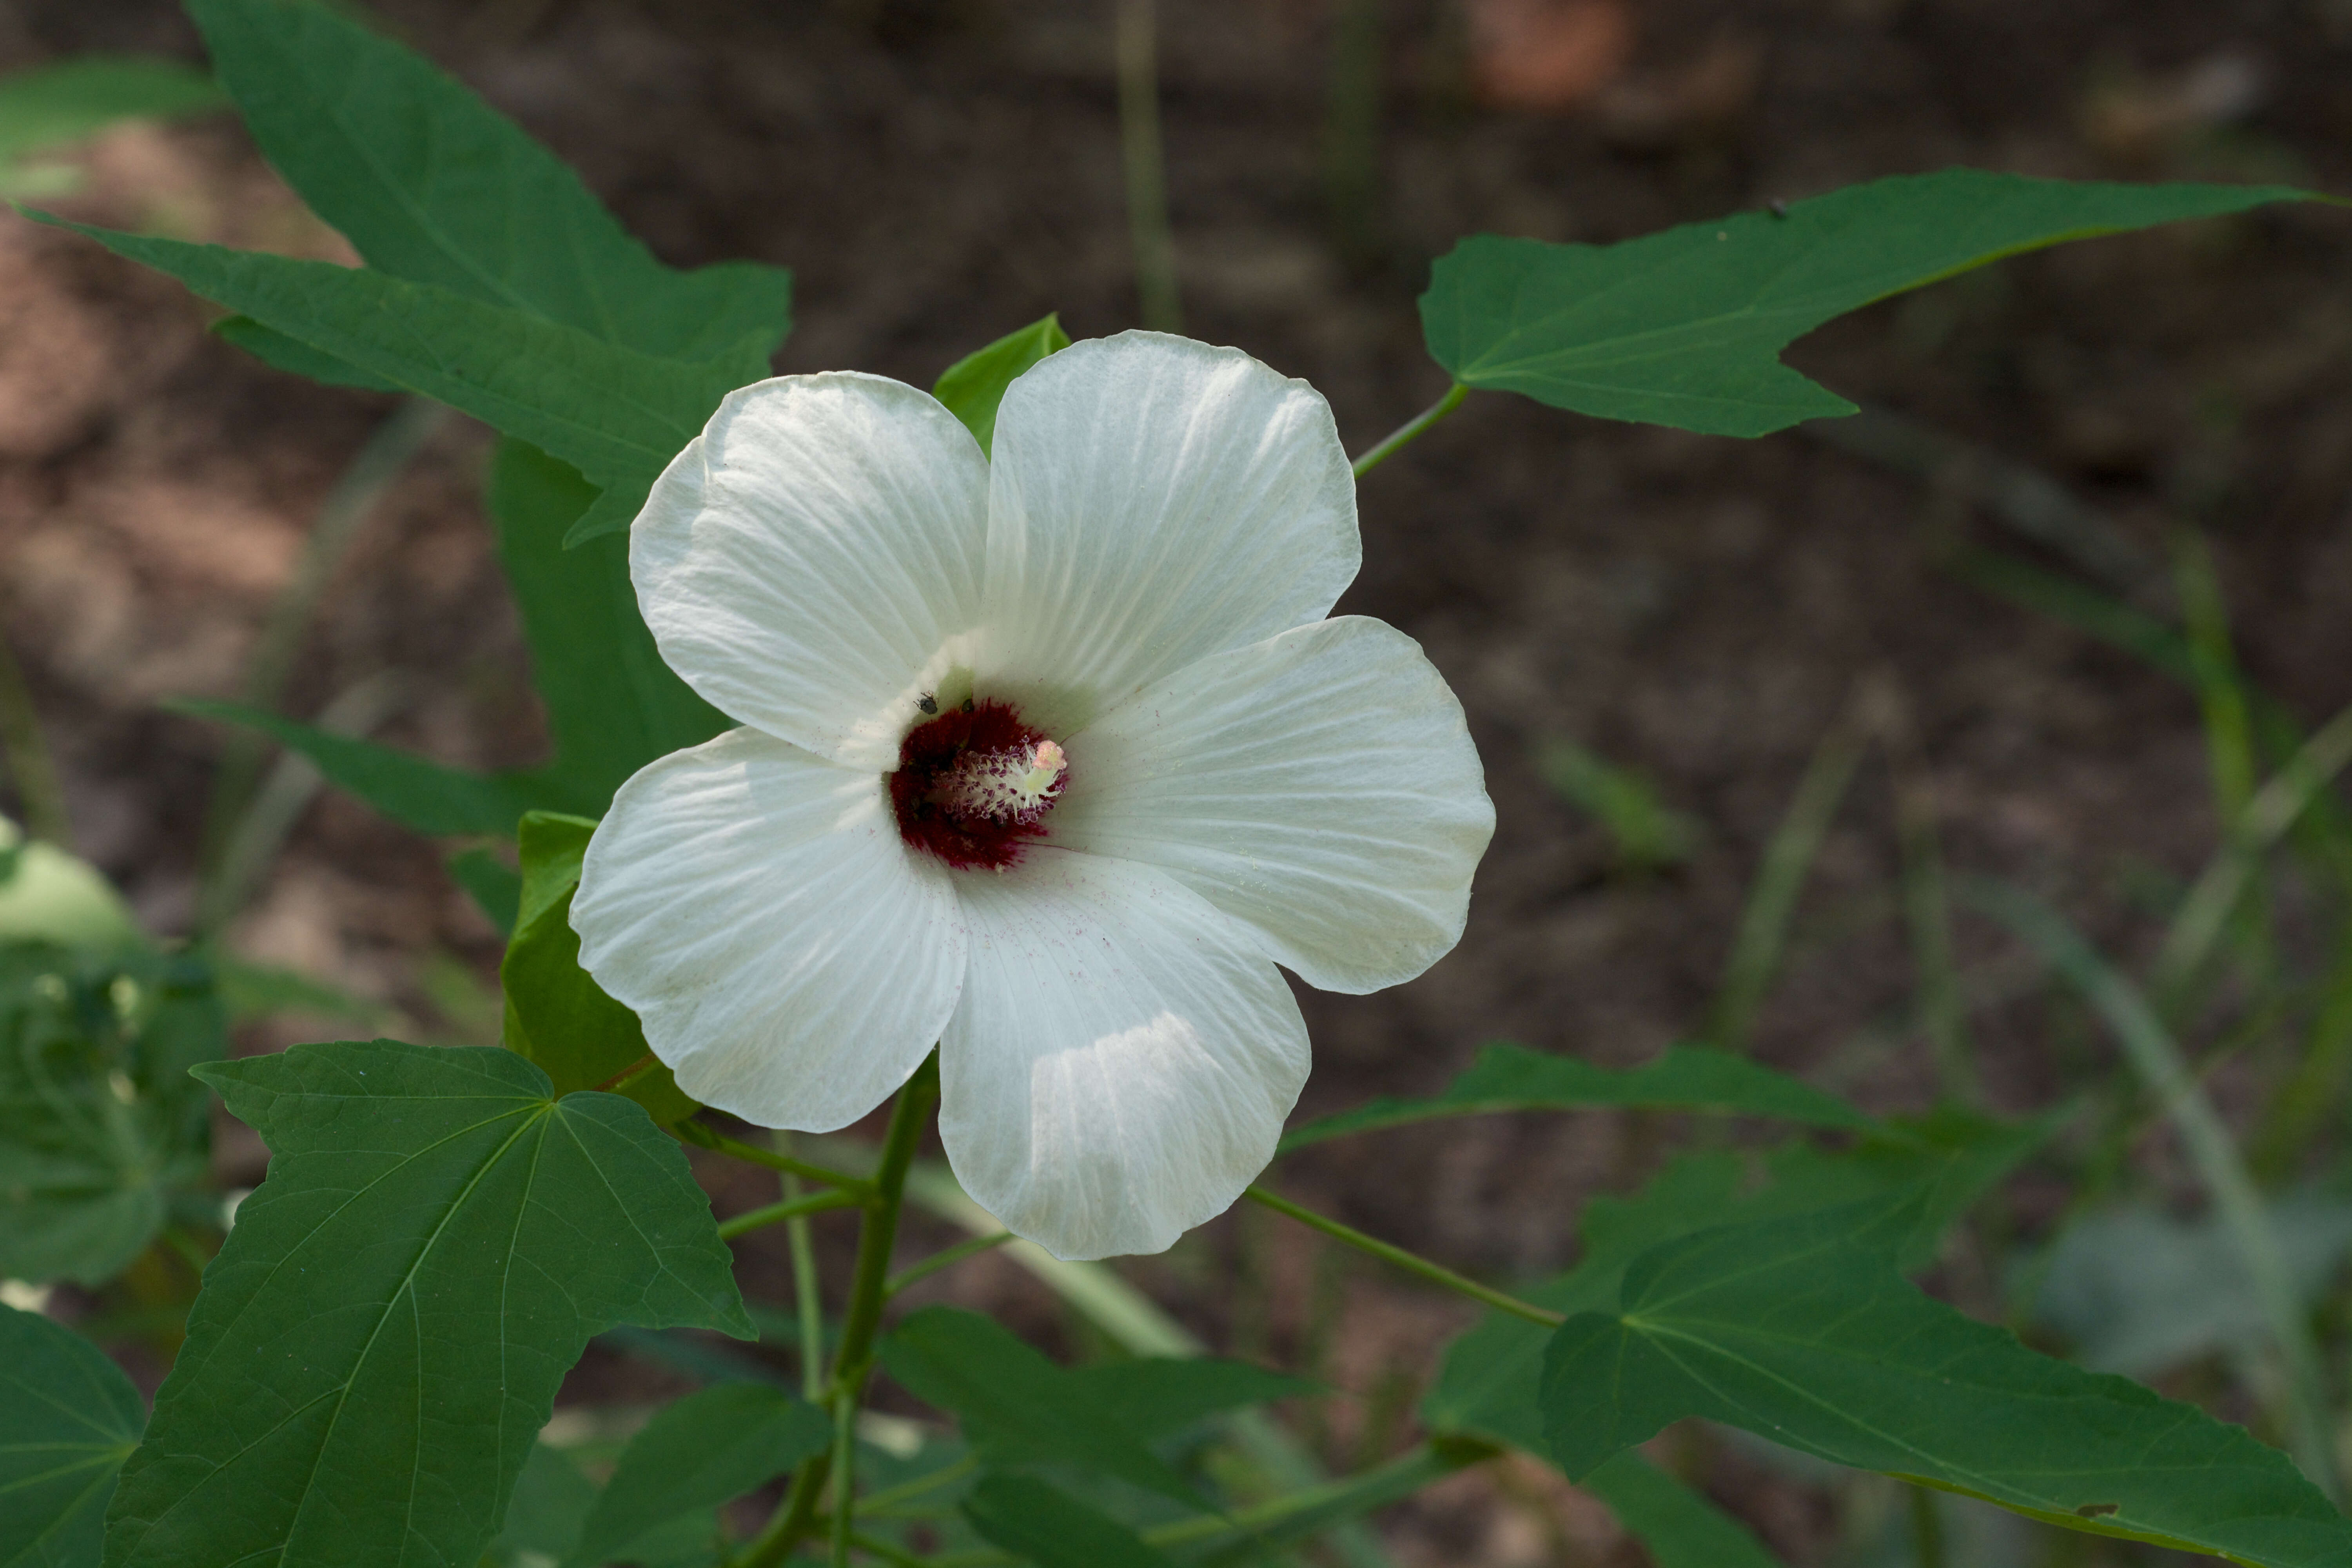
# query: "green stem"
938,1260
854,1360
39,794
1146,166
807,1298
844,1479
702,1137
1926,1530
795,1208
1411,1262
1410,428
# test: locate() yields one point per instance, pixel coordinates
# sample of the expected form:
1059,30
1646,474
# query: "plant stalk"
1411,1262
854,1360
1411,429
792,1208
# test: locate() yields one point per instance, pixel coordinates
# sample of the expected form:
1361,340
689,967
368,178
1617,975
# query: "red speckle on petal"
952,789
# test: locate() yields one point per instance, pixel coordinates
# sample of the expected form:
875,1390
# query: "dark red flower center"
975,784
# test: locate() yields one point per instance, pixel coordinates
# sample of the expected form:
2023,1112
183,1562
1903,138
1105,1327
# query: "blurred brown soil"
942,171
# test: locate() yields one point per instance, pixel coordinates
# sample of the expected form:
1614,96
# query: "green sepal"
556,1013
973,386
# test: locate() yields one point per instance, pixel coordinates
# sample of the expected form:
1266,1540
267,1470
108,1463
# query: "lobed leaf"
1018,1408
1804,1331
1926,1171
1513,1077
102,1128
1684,328
707,1449
613,704
973,386
1045,1525
67,1420
432,185
556,1013
413,791
1680,1527
382,1333
616,414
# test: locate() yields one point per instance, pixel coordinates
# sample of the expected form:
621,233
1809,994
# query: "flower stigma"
974,785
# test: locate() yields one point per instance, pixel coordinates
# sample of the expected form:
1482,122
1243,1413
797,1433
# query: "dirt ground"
939,171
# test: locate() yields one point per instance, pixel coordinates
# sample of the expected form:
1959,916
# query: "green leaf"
495,887
1680,1527
1016,1407
974,385
616,414
706,1449
1045,1525
67,1420
279,352
1801,1331
1685,328
434,185
1513,1077
551,1501
1929,1171
383,1331
413,791
76,99
102,1128
556,1013
1153,1396
613,704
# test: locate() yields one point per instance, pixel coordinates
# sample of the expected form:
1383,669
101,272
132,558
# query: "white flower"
1050,760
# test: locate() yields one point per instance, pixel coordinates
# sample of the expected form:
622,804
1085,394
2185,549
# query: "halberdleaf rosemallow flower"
1050,759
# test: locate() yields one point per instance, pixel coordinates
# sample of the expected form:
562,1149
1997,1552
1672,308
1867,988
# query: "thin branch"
938,1260
1411,1262
1411,429
776,1213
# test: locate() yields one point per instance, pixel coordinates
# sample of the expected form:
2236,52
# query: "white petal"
1153,501
1121,1062
791,959
805,561
1320,787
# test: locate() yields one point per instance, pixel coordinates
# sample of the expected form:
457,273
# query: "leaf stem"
797,1513
702,1137
1411,1262
792,1208
1410,428
808,1299
938,1260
